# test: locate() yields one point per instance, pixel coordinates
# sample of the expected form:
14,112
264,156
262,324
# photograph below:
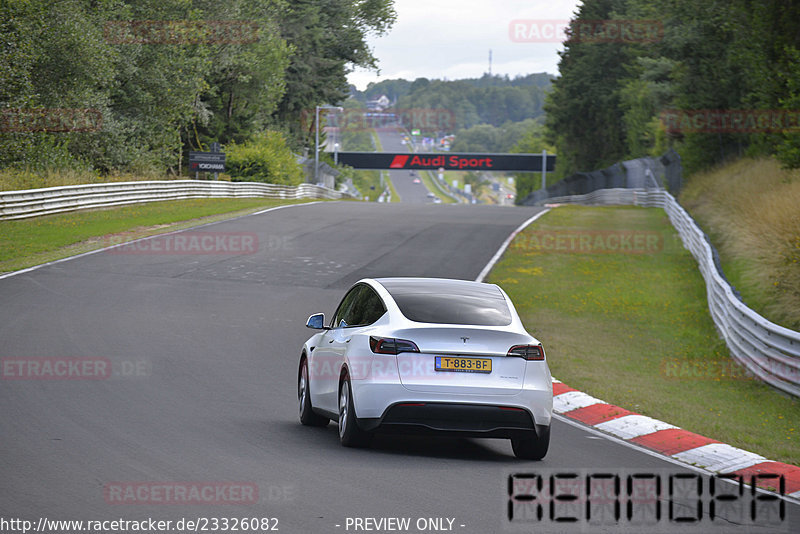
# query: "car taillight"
390,345
529,352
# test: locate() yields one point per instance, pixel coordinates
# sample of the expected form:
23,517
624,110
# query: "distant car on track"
417,181
427,355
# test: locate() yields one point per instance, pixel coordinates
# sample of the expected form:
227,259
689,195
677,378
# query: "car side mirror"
316,321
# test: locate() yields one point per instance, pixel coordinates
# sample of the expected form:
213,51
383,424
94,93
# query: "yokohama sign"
446,161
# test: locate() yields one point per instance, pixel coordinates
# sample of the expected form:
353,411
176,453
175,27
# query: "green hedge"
263,158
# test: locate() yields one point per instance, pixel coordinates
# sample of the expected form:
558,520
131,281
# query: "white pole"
544,169
316,145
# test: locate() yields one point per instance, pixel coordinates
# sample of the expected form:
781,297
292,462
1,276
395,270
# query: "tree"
533,141
245,80
328,37
53,57
584,111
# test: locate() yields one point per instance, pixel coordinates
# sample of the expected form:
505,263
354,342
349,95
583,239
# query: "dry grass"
751,211
634,330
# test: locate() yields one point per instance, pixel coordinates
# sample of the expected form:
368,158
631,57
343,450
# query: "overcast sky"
452,38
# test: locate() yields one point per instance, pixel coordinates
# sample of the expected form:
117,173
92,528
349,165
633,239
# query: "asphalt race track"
392,141
204,351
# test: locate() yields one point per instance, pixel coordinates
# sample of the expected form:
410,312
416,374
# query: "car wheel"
307,415
350,434
533,448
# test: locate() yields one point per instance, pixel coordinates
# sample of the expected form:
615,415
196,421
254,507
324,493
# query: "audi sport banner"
447,161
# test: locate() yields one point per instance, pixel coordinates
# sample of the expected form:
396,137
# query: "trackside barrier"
769,351
35,202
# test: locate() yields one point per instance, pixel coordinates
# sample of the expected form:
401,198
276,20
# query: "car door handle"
330,341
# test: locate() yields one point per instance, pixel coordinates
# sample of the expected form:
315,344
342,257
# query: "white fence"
769,351
34,202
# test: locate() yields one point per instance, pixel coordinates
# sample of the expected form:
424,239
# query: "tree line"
718,80
493,100
155,79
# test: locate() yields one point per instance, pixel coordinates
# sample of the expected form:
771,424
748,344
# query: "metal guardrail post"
769,351
51,200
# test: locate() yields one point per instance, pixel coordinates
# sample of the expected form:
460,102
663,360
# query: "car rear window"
449,302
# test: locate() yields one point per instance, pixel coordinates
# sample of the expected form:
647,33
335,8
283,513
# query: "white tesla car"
427,355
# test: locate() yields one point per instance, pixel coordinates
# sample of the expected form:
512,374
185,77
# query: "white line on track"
35,267
504,246
580,396
480,278
654,454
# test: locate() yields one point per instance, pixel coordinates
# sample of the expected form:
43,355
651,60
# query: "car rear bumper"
467,420
374,400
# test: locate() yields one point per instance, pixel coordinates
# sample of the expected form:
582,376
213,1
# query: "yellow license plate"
463,365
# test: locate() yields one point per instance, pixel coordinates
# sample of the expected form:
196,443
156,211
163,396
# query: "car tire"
534,447
307,415
350,434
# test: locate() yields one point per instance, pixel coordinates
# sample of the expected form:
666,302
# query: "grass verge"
369,183
751,211
28,242
632,327
386,175
433,185
395,197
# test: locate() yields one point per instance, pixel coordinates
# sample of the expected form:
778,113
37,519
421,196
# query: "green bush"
263,158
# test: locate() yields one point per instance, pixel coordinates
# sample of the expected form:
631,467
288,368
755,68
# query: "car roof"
446,286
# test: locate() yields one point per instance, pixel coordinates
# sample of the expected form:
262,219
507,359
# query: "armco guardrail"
770,351
35,202
663,172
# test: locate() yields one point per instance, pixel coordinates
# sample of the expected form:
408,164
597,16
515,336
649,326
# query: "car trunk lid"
462,360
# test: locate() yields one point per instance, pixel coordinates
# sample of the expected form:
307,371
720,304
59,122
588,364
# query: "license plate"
463,365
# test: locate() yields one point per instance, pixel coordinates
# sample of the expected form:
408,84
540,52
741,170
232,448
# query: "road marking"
572,400
633,426
504,246
720,457
651,436
68,258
